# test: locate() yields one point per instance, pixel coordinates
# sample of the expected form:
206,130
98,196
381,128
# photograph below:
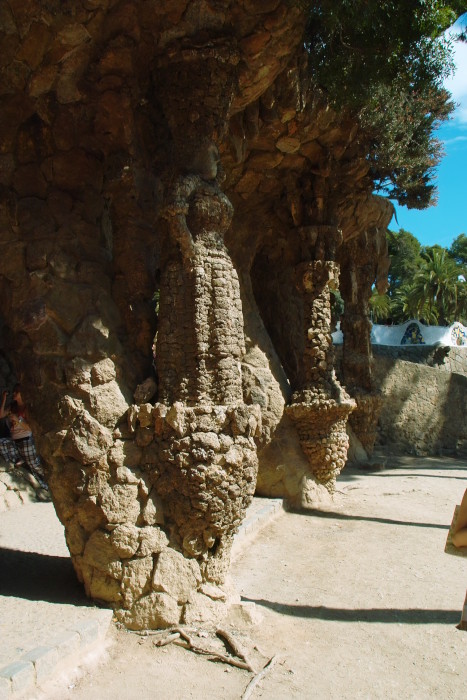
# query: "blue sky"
444,222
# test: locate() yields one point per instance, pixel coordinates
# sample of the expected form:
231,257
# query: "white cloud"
457,84
456,139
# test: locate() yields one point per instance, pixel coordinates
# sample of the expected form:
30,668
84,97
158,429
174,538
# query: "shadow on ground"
387,615
383,464
425,476
39,577
335,515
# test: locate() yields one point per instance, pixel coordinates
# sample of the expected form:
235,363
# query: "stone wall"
425,407
447,359
423,402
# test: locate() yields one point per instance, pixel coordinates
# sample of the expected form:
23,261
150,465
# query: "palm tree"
428,283
380,306
438,288
407,303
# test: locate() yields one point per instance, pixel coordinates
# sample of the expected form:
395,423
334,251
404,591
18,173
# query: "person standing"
20,447
8,448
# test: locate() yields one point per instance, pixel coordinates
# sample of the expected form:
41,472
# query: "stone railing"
414,332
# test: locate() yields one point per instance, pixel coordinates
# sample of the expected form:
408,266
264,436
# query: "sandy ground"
40,595
357,602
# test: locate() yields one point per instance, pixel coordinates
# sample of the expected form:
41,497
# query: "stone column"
149,496
366,263
201,435
320,407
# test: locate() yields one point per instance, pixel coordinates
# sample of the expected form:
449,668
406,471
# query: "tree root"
208,652
182,638
214,655
167,640
236,646
259,677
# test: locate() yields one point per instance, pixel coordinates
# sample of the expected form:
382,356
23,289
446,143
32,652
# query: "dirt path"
358,602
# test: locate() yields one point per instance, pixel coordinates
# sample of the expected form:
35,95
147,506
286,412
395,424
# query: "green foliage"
458,250
405,253
384,62
424,283
402,150
337,306
380,306
406,304
356,45
156,299
437,289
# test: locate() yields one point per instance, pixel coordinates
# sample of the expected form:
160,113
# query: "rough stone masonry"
177,152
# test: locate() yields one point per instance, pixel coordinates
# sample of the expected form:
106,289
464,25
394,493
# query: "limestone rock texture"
171,177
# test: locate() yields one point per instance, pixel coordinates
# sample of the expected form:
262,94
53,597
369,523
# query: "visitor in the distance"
20,447
8,449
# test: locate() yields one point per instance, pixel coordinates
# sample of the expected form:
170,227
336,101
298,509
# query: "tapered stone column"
203,448
321,406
